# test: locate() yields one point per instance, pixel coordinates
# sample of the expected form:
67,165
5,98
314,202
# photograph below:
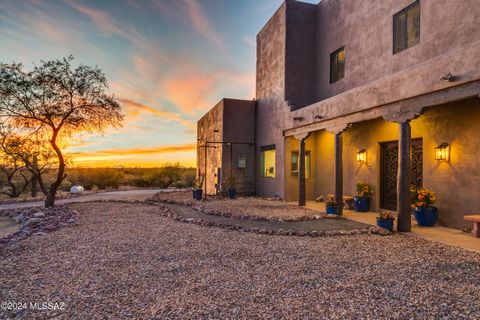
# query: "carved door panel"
389,167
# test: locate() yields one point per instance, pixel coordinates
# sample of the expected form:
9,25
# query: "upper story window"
337,65
267,161
406,27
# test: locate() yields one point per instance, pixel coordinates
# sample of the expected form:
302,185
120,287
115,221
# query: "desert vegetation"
41,107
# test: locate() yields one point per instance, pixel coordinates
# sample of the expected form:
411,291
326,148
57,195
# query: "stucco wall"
365,29
206,126
300,53
238,127
270,96
457,182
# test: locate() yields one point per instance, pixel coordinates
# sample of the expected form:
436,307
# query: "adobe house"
386,92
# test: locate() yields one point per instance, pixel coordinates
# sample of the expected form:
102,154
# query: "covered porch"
325,151
450,236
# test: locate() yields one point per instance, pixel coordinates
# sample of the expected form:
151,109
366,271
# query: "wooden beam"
404,222
338,172
301,173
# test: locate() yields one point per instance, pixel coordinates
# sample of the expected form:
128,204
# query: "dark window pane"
337,65
406,27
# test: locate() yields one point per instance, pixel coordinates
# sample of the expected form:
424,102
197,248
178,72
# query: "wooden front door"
389,168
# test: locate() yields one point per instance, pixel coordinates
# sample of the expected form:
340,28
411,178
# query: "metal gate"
389,168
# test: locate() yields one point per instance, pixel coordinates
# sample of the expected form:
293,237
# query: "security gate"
389,168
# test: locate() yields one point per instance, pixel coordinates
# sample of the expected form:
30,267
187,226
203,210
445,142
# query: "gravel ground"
126,261
252,207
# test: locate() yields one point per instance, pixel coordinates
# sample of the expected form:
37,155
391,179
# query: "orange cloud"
137,151
135,109
201,24
101,20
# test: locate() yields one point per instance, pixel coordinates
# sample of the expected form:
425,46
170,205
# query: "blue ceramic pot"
385,223
426,216
198,194
362,204
232,192
332,209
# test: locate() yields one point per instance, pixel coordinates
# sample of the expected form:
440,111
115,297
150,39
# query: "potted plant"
362,201
232,191
198,191
331,207
422,200
385,220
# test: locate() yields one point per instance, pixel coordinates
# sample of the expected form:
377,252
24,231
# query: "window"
406,27
337,65
267,161
295,159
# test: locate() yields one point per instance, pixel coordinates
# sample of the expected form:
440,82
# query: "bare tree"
56,100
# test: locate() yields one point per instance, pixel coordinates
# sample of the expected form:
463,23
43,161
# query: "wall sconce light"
362,156
442,152
297,118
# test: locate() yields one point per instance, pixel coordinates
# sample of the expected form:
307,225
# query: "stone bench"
476,224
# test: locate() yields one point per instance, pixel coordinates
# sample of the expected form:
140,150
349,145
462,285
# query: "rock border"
37,221
169,213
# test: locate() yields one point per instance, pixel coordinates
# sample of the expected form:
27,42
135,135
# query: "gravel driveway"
125,261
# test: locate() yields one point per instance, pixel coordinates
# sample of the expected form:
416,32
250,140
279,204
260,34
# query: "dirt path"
130,195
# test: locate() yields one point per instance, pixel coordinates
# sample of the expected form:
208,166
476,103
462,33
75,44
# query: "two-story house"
386,92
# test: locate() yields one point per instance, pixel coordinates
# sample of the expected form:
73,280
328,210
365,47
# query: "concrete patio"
450,236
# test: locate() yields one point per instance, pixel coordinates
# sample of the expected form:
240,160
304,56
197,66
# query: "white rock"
77,189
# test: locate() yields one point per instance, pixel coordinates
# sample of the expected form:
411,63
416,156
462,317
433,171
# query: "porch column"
338,168
301,168
403,118
404,222
338,165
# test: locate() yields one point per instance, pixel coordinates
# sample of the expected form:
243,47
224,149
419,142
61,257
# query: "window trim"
308,163
335,54
271,147
414,3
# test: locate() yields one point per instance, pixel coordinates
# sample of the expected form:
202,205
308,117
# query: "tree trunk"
50,200
34,177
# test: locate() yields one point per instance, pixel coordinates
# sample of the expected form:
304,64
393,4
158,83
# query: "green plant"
199,182
331,203
232,182
385,215
364,190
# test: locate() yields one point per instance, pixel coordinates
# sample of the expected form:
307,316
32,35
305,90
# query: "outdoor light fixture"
449,77
298,118
442,152
362,156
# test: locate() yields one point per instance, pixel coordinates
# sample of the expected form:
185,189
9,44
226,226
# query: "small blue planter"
362,204
426,216
332,209
232,192
193,193
385,223
198,193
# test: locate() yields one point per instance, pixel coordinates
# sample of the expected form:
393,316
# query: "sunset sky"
167,62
